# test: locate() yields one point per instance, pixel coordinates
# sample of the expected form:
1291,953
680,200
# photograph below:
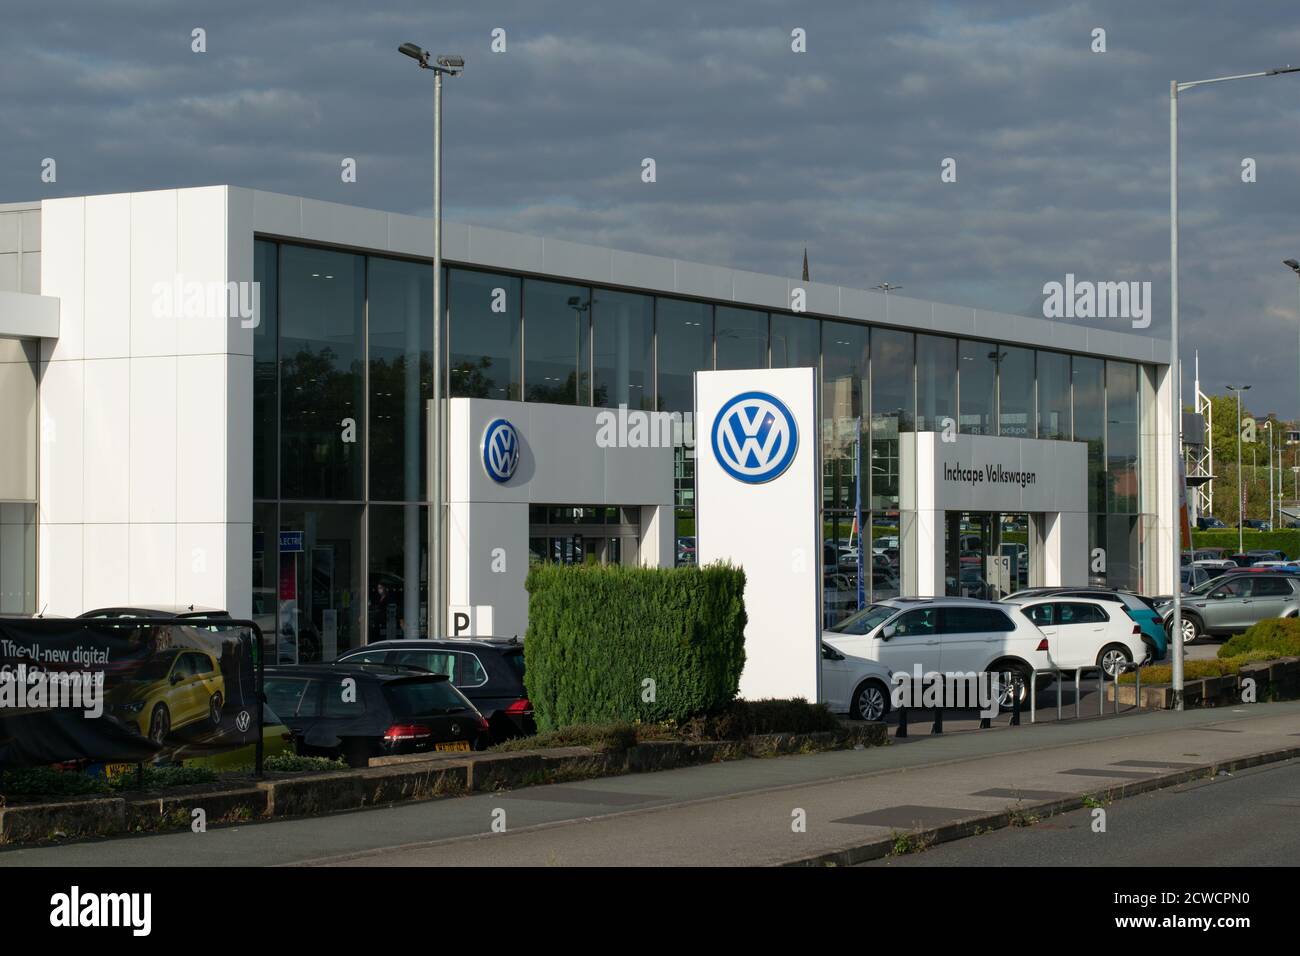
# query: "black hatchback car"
384,710
487,670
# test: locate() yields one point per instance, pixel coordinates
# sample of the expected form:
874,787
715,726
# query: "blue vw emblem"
500,450
754,437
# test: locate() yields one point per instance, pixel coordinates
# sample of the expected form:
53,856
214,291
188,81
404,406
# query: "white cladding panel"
770,528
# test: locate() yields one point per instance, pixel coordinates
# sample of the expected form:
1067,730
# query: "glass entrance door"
971,539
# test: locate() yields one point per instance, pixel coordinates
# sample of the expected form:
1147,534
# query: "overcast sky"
1061,153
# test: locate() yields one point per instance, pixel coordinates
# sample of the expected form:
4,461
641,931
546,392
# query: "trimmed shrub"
1286,540
37,782
1278,637
601,737
595,634
292,763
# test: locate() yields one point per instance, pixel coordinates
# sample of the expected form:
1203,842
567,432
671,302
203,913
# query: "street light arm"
1240,76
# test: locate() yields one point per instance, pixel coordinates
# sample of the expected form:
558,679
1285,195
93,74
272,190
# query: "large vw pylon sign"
758,501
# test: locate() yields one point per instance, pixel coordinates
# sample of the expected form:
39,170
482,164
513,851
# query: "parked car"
1143,611
855,685
1208,522
1256,524
884,543
171,689
1267,554
1086,631
387,710
489,671
945,635
1192,576
1230,604
154,612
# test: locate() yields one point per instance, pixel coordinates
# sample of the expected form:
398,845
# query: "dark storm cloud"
1062,154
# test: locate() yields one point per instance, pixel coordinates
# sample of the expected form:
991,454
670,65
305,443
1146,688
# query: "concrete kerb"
880,847
393,780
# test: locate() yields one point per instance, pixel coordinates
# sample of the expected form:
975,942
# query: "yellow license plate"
453,745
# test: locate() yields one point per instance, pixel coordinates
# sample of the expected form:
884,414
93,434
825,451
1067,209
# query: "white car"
1081,632
854,685
882,544
945,635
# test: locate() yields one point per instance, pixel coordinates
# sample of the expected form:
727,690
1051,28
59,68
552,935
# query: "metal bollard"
938,721
1076,693
1137,688
902,723
1015,705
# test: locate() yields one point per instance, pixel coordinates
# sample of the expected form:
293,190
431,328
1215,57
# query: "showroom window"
400,340
623,349
557,343
322,376
893,399
1054,420
742,338
1016,392
483,322
684,339
977,387
936,382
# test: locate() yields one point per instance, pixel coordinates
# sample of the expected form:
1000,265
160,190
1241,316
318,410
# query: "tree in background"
1254,472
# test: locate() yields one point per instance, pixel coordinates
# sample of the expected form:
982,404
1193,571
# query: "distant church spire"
805,263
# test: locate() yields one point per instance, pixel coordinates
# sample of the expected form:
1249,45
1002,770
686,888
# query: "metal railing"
1101,687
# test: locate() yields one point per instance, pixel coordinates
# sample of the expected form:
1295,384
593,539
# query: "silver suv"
1230,604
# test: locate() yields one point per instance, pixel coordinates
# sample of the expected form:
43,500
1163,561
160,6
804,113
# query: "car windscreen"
865,621
1205,588
421,698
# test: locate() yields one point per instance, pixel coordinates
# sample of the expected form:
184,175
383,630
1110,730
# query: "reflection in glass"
322,380
684,334
795,341
1054,396
742,338
977,385
844,369
1122,438
893,399
557,343
1090,423
401,376
623,349
266,358
484,330
1016,392
936,382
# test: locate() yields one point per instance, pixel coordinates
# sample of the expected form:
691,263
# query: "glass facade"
343,369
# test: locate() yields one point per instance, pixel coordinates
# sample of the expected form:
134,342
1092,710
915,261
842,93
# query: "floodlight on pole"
452,65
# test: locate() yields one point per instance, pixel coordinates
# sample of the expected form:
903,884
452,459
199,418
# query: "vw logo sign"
500,450
754,437
243,721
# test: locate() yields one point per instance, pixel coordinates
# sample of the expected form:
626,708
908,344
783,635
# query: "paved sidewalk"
738,812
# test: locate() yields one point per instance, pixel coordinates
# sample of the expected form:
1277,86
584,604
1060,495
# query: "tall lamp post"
1241,488
452,66
1175,392
1269,425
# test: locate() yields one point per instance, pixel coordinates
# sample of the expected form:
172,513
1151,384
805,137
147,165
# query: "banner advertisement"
119,691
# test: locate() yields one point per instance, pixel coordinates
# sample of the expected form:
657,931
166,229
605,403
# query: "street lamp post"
1175,394
452,66
1241,488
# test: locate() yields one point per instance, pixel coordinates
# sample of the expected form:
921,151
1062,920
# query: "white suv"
1081,632
945,635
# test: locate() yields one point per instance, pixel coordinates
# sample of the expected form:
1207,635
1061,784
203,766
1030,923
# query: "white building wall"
145,413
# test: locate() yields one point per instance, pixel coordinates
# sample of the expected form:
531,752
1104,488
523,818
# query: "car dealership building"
220,396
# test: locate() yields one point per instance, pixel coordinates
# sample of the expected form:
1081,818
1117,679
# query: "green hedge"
1278,637
596,634
1286,540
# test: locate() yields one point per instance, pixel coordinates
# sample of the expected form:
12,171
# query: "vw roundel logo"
754,437
500,450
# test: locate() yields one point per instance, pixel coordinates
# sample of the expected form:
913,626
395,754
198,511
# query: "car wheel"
1013,683
160,724
1191,627
214,711
1113,658
870,701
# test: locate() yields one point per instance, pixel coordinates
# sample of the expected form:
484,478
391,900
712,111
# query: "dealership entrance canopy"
220,396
